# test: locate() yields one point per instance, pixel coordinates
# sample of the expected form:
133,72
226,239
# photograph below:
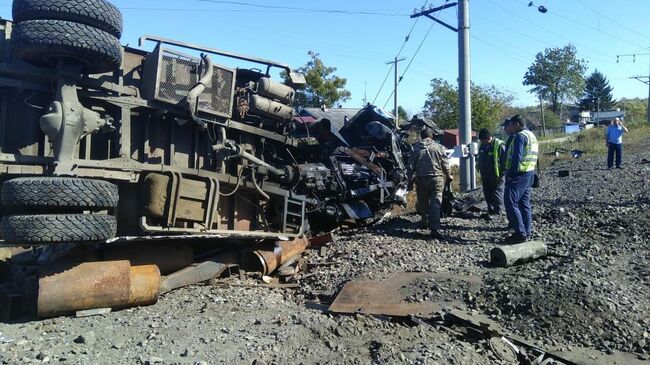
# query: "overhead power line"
556,34
588,26
399,53
612,20
313,10
267,8
410,61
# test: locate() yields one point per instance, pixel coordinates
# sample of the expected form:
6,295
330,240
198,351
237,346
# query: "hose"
257,187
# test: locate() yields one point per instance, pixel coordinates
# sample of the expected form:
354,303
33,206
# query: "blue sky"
506,35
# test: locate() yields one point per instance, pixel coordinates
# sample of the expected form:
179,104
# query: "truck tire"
97,13
57,228
45,42
42,193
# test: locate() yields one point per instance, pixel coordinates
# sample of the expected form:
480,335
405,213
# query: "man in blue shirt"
520,162
614,141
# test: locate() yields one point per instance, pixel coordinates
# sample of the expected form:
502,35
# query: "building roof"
609,114
335,115
456,132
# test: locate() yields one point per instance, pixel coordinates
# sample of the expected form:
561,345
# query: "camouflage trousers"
429,192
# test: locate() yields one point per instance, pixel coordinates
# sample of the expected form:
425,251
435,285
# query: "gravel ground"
593,301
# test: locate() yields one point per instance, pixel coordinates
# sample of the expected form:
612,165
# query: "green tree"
557,75
597,94
323,87
489,105
402,114
635,109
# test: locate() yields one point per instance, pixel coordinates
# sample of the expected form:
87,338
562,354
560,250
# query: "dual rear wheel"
77,32
46,210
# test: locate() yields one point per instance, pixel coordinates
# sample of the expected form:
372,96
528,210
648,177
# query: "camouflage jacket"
428,159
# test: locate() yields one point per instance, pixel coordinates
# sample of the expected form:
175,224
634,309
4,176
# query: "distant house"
605,118
451,138
336,116
533,121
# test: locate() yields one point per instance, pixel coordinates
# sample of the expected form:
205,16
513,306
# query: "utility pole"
640,78
467,182
541,109
467,162
598,111
395,114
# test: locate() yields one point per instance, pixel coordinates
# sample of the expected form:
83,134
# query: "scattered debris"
560,151
383,297
5,339
268,258
511,349
386,297
199,272
505,256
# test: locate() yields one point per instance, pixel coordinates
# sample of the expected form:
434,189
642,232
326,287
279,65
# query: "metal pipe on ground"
67,288
145,285
267,259
505,256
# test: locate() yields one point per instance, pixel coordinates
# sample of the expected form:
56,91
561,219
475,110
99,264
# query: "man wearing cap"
429,166
489,159
520,163
614,141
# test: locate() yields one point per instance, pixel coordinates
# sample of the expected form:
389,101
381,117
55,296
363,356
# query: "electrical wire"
545,29
519,32
575,21
410,61
406,39
313,10
503,50
612,20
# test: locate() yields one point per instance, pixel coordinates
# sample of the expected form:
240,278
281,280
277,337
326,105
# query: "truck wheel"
57,228
35,193
97,13
45,42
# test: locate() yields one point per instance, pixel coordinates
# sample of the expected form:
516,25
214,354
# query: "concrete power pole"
395,105
467,181
467,163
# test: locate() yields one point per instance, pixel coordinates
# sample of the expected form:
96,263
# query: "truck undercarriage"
108,145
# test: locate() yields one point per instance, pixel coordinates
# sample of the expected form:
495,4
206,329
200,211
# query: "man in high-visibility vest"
489,159
520,162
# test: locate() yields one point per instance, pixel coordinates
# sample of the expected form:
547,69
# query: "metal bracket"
67,120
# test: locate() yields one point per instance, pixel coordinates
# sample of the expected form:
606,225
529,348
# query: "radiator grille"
178,74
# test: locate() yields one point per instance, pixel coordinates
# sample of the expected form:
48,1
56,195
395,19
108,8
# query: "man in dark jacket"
490,153
429,166
520,162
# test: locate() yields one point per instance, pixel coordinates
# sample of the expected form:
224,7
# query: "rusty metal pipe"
63,290
145,285
89,285
268,260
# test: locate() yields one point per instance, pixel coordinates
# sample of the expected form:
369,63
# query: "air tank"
275,90
270,109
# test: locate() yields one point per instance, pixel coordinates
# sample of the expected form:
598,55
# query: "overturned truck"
121,164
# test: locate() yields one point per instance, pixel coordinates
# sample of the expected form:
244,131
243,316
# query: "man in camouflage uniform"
429,166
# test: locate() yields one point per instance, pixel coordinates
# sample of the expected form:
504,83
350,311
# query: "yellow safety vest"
531,150
496,154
